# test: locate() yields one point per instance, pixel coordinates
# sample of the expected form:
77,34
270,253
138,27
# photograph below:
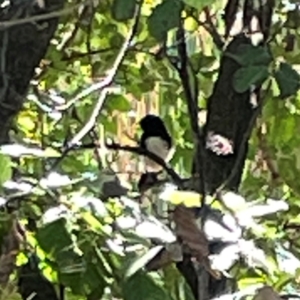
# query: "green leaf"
283,281
74,281
164,17
176,284
249,55
123,10
288,166
143,286
201,61
93,279
5,167
118,102
287,79
186,198
245,77
50,152
55,237
250,281
198,4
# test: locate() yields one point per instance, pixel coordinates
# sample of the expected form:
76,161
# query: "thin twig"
72,34
54,14
92,134
92,120
210,27
191,93
106,83
140,151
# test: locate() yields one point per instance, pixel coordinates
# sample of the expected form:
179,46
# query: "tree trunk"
22,46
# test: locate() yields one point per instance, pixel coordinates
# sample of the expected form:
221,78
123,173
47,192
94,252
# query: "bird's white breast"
160,148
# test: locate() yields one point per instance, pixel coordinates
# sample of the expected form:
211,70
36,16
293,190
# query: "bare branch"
54,14
210,27
105,84
140,151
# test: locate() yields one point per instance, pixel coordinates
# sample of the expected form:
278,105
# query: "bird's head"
152,122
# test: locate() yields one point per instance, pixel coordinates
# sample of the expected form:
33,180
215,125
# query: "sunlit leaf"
187,198
284,280
251,282
226,258
162,259
119,103
91,204
55,180
254,257
6,168
153,228
50,152
234,200
215,231
141,261
197,4
93,222
16,150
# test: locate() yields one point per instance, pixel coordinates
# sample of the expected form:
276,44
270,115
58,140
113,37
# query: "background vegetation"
72,92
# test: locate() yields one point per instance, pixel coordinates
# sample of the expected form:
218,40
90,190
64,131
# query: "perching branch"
140,151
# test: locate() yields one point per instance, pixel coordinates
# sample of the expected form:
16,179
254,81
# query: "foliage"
85,224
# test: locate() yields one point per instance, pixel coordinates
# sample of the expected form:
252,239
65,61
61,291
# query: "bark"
21,49
229,115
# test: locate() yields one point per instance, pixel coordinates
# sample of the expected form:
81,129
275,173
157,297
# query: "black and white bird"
155,139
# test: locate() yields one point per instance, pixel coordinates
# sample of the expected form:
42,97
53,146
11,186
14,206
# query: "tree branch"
105,84
140,151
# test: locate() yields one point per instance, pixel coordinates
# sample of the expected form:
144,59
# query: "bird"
156,139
